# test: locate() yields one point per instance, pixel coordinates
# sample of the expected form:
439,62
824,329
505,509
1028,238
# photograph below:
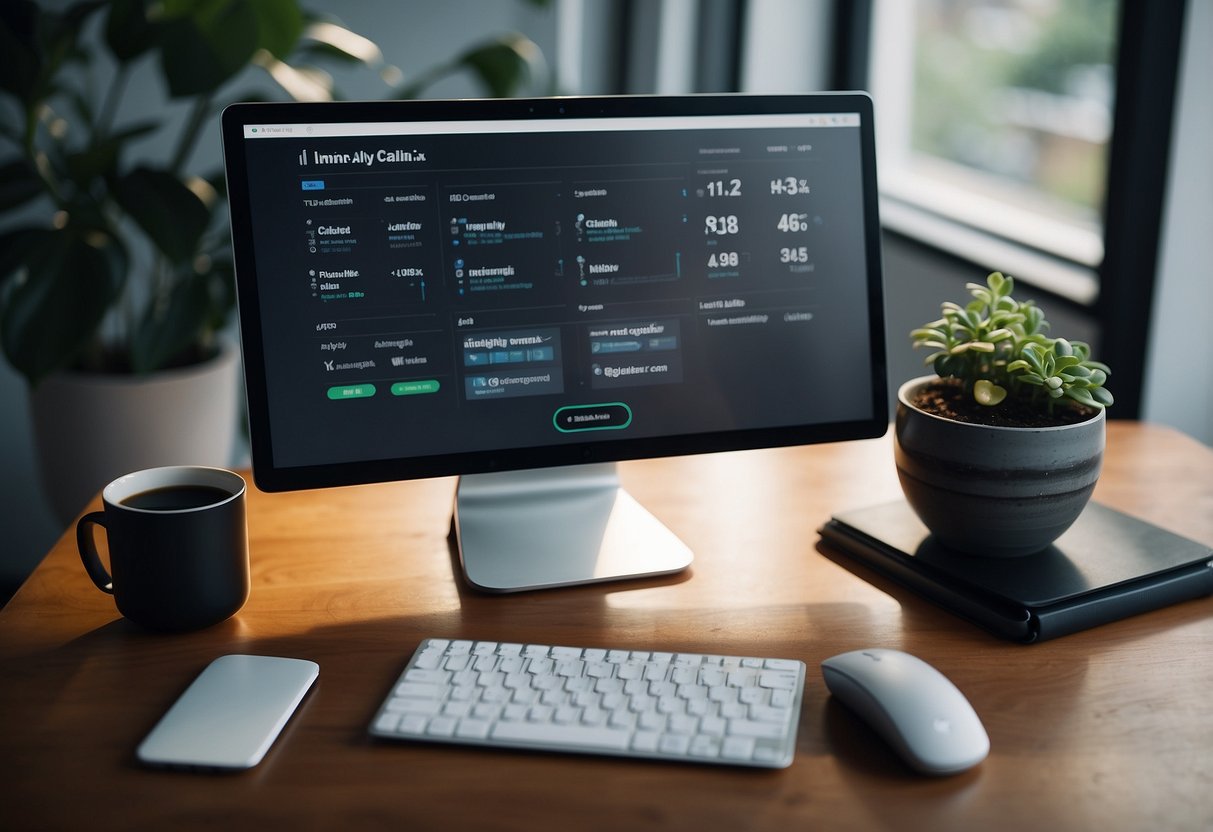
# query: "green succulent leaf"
988,393
1082,396
997,343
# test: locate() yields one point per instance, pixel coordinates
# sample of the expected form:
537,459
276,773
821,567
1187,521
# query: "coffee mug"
178,546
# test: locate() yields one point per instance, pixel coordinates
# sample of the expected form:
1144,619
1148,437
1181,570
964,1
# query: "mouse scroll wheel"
872,656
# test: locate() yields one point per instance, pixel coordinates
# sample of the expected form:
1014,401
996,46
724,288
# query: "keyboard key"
562,735
441,726
737,748
747,728
473,729
779,679
675,706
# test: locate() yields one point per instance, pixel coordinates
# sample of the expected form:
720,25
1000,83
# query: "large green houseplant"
999,452
75,291
114,249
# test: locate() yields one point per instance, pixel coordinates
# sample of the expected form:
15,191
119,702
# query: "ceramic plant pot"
994,491
90,428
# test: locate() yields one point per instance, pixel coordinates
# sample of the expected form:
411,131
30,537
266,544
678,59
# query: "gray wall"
1179,376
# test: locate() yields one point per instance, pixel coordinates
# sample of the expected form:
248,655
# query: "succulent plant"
997,347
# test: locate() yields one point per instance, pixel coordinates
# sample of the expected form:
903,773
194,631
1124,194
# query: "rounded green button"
414,388
351,391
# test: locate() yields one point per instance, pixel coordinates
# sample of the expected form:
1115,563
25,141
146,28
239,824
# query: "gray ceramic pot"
994,491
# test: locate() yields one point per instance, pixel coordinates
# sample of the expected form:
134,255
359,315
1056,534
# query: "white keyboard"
670,706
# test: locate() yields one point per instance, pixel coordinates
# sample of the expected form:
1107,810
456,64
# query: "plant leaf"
169,212
1082,396
71,280
279,25
322,38
169,329
208,44
100,158
504,65
18,184
23,64
129,30
988,393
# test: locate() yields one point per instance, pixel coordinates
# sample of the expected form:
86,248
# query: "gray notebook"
1107,566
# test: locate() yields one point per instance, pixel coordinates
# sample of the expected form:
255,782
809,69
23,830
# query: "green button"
414,388
351,391
575,418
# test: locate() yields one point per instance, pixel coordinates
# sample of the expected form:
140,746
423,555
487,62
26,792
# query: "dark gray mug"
178,546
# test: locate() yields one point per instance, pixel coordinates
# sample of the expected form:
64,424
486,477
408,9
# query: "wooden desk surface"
1107,729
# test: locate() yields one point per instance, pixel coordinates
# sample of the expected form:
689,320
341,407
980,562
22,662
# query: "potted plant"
115,272
999,452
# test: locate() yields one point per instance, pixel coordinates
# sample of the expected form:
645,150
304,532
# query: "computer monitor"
525,292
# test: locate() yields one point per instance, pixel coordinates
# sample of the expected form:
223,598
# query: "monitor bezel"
271,477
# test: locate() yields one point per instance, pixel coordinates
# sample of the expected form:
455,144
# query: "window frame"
1149,41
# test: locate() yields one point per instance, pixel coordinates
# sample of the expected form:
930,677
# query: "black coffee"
176,497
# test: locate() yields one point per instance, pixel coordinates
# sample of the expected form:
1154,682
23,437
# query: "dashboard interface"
424,289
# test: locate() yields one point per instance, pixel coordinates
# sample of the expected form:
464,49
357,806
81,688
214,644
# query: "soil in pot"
949,399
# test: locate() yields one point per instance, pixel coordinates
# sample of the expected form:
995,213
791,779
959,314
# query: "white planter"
92,428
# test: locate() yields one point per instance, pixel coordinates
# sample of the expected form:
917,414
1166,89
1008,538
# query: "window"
994,122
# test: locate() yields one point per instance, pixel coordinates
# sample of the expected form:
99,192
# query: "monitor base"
553,527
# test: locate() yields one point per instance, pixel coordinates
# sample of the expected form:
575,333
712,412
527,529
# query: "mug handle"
88,550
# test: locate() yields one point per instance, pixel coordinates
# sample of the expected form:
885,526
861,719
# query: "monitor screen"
436,288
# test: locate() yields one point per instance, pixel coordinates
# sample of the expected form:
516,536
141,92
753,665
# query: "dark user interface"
438,294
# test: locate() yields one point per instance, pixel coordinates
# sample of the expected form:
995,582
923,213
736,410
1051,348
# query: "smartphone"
230,715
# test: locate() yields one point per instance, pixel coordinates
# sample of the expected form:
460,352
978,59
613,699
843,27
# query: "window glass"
998,113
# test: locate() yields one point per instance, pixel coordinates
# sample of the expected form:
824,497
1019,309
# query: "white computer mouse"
913,706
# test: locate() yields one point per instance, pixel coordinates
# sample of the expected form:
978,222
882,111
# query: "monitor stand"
550,527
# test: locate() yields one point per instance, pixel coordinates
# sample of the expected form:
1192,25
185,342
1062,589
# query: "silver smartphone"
231,714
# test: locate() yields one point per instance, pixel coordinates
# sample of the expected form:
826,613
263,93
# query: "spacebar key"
566,736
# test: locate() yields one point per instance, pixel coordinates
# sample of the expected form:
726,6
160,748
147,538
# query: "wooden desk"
1107,729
